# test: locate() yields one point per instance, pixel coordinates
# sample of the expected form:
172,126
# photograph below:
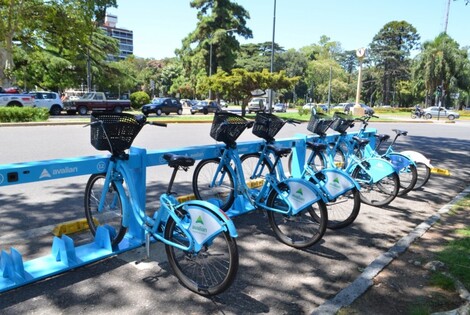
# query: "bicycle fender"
379,168
399,161
337,182
302,193
418,157
207,219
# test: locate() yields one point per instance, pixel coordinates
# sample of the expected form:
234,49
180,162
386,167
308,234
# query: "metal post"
270,106
210,65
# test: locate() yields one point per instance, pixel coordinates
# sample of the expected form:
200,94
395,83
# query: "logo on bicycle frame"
199,228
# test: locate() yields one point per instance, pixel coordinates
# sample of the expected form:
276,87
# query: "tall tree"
60,29
390,50
219,21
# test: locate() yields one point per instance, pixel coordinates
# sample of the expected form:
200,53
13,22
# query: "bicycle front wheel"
380,193
249,163
111,215
207,272
343,210
209,185
301,230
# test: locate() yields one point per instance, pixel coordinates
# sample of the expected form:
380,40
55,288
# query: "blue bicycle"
339,190
199,238
376,176
295,207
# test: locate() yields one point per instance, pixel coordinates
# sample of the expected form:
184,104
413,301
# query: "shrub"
138,99
23,114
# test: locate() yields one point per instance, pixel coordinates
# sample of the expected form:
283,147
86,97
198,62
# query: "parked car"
323,107
49,100
223,104
257,104
205,107
280,107
347,107
434,111
162,105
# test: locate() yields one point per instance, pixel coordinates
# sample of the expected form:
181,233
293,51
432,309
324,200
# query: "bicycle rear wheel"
408,177
424,173
301,230
222,191
208,272
380,193
111,215
343,210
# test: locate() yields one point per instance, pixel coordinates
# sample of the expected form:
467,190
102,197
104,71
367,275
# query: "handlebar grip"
250,124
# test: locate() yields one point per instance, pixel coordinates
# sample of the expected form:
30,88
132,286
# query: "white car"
433,111
49,100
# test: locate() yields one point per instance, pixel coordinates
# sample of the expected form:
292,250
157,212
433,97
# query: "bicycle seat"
382,137
315,146
361,141
175,160
279,151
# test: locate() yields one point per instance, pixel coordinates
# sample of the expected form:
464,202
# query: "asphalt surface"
272,278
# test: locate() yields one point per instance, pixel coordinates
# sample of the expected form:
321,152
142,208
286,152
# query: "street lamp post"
210,54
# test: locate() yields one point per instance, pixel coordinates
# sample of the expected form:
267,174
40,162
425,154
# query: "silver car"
434,111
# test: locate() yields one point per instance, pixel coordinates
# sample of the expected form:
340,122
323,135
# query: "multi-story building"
125,37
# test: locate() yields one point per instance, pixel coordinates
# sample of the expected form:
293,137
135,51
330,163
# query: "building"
125,37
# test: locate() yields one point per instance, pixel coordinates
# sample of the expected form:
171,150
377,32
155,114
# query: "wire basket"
116,132
319,123
341,122
227,127
267,126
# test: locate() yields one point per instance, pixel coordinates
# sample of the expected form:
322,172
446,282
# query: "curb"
349,294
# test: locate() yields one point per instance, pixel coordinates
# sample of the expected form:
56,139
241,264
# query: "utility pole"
270,106
446,21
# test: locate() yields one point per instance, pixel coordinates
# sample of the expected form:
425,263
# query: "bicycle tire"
223,193
380,193
408,177
344,210
249,162
209,272
111,216
424,173
318,160
339,159
291,230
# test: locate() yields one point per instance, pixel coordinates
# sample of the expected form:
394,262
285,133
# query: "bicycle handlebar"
154,123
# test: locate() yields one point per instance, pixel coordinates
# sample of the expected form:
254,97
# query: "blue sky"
160,25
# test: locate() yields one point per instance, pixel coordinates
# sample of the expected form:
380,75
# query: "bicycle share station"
64,255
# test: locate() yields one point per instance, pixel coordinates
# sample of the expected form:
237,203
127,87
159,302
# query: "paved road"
273,278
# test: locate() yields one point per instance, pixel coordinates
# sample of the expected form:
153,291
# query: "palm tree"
442,64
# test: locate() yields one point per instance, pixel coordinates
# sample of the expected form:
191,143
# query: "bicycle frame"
302,193
376,168
333,183
214,222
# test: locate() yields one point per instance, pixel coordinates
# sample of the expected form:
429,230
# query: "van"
257,104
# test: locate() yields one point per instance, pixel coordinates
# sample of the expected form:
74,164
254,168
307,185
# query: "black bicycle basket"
341,122
227,127
267,126
319,123
117,130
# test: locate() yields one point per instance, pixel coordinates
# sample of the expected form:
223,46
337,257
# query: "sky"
159,26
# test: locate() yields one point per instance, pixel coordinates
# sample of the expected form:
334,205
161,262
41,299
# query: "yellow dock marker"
440,171
71,227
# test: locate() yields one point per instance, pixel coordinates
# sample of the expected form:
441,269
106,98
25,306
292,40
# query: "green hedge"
138,99
23,114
